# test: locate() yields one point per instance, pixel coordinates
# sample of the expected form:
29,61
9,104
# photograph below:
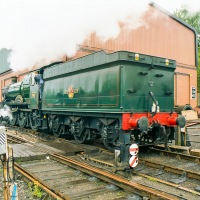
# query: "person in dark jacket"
40,82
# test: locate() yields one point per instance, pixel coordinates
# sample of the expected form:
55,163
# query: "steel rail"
168,183
124,183
192,123
116,180
14,140
168,168
55,194
148,177
194,141
17,138
180,155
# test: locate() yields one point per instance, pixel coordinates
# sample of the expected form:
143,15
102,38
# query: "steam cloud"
40,31
5,112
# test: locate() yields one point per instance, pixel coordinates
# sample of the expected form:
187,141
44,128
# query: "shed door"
182,89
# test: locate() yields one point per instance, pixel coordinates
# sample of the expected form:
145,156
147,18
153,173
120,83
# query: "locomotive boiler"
122,98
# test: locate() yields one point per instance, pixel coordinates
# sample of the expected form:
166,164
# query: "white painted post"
4,157
3,140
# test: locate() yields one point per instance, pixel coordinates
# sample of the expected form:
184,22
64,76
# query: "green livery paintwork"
116,82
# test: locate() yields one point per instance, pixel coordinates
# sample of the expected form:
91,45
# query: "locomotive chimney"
14,79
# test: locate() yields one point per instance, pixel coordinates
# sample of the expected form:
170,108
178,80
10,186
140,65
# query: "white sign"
133,161
3,140
193,92
133,149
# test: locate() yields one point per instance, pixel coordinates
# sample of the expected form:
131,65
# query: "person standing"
40,82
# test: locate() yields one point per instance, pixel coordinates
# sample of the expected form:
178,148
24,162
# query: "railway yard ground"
52,168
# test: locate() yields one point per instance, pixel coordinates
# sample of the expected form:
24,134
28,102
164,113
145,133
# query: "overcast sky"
40,31
172,5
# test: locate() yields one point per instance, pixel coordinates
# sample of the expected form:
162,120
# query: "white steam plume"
39,31
5,112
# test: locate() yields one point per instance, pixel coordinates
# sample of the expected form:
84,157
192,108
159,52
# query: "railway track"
176,154
128,188
155,174
36,169
172,169
16,139
137,176
68,183
29,134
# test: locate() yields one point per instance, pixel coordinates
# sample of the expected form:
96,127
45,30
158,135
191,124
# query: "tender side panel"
118,82
84,90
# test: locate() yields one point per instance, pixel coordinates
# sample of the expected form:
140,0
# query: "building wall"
161,36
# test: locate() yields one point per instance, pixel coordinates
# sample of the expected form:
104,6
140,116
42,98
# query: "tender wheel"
1,120
82,138
22,119
60,132
54,124
109,137
33,121
13,121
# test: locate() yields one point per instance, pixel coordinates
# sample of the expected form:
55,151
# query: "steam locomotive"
121,97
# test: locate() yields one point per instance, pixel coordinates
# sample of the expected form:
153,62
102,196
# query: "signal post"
6,155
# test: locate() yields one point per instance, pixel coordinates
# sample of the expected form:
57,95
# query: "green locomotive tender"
122,97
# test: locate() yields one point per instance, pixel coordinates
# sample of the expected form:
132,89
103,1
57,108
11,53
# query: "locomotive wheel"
13,121
109,145
60,132
109,140
82,138
54,124
22,119
33,121
1,120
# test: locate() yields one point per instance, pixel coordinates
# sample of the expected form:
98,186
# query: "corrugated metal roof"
4,64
